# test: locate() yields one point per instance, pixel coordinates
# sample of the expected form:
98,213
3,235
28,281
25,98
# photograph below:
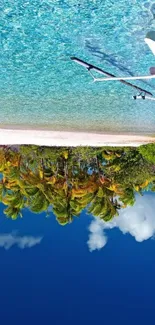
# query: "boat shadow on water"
111,59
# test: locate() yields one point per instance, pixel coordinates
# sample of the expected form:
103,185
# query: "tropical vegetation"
64,181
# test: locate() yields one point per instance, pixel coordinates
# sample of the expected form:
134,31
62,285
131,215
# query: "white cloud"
8,240
97,238
138,221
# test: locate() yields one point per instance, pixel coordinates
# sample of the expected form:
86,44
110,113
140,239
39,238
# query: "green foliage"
68,180
148,152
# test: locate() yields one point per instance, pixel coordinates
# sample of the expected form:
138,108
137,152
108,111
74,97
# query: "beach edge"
69,139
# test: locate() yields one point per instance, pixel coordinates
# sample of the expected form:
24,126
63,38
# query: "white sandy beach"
58,138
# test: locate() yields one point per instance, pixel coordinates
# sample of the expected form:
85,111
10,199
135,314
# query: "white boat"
150,40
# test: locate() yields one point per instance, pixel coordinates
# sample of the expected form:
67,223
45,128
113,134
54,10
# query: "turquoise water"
41,86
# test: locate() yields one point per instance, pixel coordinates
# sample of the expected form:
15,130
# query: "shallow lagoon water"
41,86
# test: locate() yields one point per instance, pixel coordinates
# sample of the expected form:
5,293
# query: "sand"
12,136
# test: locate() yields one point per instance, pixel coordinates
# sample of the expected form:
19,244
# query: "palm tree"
15,202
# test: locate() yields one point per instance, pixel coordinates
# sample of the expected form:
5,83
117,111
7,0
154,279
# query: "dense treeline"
68,180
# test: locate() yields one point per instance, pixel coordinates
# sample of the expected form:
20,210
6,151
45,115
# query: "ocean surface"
39,84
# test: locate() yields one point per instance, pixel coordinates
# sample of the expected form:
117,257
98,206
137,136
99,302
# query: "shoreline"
41,137
50,128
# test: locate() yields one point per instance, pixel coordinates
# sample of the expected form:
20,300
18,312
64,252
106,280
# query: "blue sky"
58,280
